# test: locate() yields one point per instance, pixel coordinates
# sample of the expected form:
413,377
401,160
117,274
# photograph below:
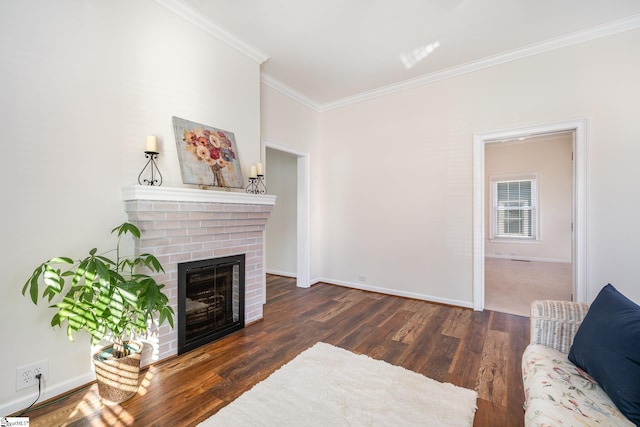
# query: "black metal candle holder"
151,164
256,185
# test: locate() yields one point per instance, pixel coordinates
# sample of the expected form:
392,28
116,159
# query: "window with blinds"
514,209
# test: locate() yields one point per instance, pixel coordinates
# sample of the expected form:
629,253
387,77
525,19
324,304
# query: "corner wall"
397,171
83,84
295,128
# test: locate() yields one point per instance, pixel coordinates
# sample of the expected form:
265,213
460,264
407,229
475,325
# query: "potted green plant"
110,298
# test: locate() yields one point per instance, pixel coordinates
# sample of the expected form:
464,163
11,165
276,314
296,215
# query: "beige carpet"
510,286
329,386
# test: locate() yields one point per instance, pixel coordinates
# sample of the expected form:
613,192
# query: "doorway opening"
294,170
481,227
528,216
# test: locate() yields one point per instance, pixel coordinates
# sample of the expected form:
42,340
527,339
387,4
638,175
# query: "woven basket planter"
118,379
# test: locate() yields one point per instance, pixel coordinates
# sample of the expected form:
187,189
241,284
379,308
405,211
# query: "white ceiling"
328,51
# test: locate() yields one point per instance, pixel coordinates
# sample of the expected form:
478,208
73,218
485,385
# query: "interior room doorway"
578,226
528,217
288,230
281,245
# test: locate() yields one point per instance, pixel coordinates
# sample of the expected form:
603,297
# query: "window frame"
535,208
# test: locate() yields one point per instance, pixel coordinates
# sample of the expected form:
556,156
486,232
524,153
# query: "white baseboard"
281,273
528,258
395,292
47,393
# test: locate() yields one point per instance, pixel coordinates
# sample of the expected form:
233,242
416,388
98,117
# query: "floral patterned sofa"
558,393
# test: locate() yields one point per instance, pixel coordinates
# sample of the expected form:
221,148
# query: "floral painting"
208,156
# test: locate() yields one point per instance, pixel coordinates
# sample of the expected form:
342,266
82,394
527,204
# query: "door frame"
303,217
579,235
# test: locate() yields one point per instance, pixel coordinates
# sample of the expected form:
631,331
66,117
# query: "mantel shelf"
177,194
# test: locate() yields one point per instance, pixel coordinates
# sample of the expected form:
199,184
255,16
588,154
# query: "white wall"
549,158
281,242
81,88
294,127
396,171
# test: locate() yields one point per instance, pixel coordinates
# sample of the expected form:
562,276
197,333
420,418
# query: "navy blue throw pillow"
607,346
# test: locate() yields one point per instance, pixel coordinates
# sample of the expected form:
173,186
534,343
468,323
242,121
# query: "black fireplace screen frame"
184,269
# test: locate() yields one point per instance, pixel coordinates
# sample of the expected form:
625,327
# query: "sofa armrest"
555,323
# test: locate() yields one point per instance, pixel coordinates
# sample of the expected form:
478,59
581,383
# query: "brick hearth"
179,224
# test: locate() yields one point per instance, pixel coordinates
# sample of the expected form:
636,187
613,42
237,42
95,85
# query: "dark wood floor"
476,350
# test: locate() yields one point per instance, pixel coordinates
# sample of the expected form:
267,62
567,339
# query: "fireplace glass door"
210,300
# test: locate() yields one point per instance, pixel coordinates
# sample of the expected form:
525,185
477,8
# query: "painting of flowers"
208,156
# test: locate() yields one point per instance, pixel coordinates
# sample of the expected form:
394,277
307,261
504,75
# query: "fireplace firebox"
210,300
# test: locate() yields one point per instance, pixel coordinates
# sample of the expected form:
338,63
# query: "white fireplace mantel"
177,194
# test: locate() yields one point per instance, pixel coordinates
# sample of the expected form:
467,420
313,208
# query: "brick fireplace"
181,224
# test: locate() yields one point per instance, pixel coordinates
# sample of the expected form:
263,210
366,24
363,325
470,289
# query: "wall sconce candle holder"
256,185
153,170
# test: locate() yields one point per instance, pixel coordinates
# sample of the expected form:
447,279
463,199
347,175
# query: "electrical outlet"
362,278
26,375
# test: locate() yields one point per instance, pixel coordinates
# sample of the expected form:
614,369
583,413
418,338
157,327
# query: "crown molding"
200,20
604,30
288,91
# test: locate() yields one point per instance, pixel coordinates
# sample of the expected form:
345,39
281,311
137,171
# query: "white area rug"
329,386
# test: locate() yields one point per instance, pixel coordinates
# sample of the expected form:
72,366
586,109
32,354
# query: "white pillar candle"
152,144
260,170
253,173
